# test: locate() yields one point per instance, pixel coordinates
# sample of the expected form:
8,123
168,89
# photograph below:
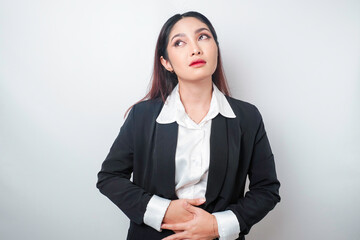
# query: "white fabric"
228,225
192,158
155,211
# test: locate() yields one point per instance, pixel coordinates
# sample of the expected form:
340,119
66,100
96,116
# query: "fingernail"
202,200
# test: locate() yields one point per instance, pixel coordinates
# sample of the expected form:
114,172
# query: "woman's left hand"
203,226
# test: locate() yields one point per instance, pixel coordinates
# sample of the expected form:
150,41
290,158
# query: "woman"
190,147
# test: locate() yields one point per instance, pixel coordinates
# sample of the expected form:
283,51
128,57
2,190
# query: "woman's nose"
195,52
195,49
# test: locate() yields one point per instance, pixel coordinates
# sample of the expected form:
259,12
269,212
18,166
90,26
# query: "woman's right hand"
176,213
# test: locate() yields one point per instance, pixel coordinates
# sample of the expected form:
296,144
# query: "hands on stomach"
189,221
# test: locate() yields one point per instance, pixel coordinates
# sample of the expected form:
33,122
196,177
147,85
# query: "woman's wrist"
215,227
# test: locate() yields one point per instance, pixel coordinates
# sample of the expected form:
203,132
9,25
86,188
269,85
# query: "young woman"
190,147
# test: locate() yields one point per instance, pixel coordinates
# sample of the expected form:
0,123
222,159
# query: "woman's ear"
166,64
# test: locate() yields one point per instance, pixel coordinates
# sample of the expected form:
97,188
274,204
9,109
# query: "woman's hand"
177,213
203,226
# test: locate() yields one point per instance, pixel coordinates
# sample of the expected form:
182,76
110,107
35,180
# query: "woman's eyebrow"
182,34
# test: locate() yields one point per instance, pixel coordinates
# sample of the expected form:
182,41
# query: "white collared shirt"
192,159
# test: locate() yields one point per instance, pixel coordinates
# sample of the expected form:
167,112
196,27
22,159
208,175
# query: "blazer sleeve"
114,176
264,186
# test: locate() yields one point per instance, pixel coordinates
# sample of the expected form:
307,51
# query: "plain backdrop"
70,69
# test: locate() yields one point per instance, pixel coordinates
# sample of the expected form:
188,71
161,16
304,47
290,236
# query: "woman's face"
191,40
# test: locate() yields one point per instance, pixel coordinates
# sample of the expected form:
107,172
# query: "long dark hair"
163,81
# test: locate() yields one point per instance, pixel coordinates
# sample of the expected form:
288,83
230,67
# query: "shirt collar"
173,109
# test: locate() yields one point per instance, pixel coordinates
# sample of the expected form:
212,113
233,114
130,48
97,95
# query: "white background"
70,69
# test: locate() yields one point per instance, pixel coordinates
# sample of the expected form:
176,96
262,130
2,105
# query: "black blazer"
238,147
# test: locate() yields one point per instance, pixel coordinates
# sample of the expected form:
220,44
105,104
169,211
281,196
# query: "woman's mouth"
197,63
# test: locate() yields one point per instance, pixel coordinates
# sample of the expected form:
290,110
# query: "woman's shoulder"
246,111
149,107
149,103
241,105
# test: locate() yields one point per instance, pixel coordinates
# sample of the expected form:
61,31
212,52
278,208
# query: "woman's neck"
196,96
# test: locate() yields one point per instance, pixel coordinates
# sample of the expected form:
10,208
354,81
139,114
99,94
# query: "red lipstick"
198,62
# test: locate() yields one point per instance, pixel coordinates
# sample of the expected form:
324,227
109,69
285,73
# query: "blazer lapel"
164,157
218,158
224,154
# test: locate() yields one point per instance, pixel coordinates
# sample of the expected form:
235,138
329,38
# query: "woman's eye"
204,36
178,43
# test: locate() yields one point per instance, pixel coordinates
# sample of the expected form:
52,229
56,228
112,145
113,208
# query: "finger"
177,236
174,227
190,208
196,201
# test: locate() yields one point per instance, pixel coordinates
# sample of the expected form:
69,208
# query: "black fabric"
144,232
238,147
